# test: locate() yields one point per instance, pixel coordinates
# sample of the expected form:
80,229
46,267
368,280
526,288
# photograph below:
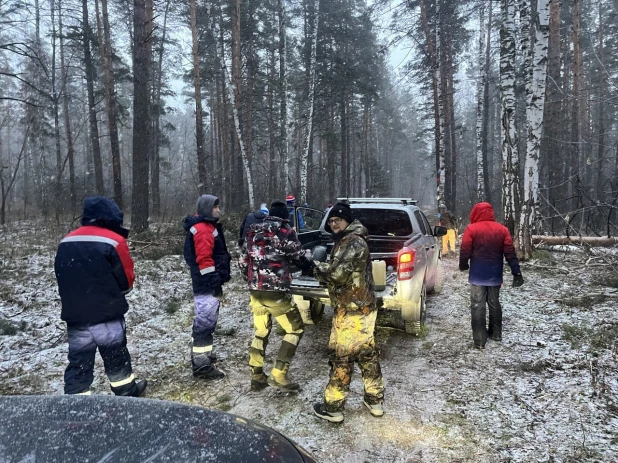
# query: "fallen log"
587,240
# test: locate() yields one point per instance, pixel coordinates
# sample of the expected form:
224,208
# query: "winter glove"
463,265
518,280
218,291
307,269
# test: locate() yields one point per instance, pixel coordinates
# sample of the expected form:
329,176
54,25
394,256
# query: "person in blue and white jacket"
94,271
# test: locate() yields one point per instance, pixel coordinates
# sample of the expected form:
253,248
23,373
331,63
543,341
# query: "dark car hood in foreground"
116,429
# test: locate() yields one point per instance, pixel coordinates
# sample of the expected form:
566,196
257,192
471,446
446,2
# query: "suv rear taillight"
405,260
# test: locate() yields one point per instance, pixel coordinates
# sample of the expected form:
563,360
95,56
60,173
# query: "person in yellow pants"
268,253
448,241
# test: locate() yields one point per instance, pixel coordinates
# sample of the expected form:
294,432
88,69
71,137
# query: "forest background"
154,102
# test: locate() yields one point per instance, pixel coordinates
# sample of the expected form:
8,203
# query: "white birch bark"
214,29
507,102
441,171
311,101
534,112
480,183
283,79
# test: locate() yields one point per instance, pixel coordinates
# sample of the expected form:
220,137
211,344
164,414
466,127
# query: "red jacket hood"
482,212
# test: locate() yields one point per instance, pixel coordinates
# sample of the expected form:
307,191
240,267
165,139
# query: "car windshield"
384,222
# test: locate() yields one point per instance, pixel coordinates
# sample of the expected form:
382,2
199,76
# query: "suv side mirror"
439,231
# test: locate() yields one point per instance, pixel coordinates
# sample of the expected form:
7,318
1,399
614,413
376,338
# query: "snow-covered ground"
547,393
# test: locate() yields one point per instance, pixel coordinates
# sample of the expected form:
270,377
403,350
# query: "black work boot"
320,411
259,380
137,389
140,387
208,372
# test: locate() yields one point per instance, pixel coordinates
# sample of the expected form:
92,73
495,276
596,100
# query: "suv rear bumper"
309,289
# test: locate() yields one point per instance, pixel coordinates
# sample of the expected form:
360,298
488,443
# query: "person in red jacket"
485,244
94,271
206,254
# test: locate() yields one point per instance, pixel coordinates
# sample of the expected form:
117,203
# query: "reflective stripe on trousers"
268,304
110,339
352,340
205,319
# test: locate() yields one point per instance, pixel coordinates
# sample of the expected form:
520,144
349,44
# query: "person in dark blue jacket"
251,218
208,259
94,271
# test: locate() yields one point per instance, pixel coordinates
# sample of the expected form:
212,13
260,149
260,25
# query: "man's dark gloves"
518,280
218,292
463,265
308,267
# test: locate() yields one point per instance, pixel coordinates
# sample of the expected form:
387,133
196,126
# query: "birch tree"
480,85
440,154
507,103
534,110
283,80
310,101
214,28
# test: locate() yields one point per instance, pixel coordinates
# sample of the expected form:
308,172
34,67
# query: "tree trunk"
440,154
272,145
67,116
56,108
450,96
485,134
155,165
310,100
214,27
535,109
551,148
141,116
480,84
601,116
564,240
197,94
92,111
109,87
576,163
283,82
507,100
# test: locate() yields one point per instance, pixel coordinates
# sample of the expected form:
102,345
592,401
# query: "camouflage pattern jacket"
348,274
267,254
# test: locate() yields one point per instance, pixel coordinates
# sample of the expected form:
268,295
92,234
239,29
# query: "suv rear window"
384,222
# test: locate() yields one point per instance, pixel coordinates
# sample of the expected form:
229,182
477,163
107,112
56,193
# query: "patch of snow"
536,396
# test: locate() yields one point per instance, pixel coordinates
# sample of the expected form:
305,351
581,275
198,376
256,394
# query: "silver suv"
404,250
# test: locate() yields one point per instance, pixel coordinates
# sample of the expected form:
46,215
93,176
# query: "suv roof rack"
404,201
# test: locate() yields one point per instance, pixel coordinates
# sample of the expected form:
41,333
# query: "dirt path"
445,401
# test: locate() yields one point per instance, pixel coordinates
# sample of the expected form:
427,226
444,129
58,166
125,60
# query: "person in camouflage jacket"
349,278
270,249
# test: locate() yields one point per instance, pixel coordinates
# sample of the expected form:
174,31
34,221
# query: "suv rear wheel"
416,327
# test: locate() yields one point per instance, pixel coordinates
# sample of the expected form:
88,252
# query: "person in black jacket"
208,259
94,271
251,218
